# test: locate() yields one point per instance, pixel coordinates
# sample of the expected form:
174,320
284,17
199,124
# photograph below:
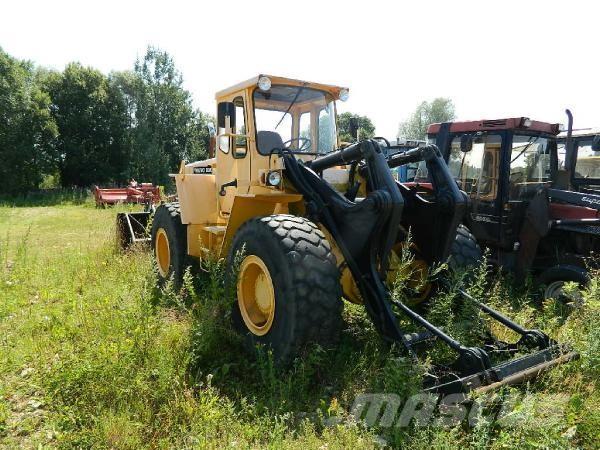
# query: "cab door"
233,159
477,173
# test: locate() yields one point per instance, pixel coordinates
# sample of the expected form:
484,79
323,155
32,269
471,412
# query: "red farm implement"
141,194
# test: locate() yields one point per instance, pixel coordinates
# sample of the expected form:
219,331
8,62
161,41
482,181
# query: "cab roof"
582,132
513,123
332,89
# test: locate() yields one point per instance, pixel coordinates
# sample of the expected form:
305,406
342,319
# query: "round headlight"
274,178
264,83
344,94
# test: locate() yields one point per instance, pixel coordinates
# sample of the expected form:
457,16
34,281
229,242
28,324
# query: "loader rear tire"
169,242
285,261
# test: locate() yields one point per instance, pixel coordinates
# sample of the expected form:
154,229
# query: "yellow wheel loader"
304,221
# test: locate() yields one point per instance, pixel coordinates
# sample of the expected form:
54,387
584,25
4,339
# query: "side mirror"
212,131
466,143
596,143
226,115
354,128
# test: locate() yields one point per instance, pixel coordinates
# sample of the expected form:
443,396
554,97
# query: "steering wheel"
306,143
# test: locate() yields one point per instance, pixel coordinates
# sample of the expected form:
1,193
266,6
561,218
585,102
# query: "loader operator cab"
502,165
297,117
257,120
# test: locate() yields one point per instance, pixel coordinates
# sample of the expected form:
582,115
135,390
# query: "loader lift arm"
366,231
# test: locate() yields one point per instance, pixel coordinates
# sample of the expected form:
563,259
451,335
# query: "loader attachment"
547,354
132,228
365,232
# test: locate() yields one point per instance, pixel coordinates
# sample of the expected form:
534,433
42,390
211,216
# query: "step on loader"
306,223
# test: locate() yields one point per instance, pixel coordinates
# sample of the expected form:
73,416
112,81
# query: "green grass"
91,355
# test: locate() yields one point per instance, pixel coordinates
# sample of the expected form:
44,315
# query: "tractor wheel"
169,241
287,285
554,279
465,252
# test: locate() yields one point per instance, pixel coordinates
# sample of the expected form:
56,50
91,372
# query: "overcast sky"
493,58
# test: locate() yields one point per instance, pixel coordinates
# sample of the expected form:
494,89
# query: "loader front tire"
287,285
465,253
169,242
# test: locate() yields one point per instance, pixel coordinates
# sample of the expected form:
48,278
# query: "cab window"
529,166
327,136
305,125
241,144
476,171
588,161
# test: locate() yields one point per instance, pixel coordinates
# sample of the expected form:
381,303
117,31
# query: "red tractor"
520,206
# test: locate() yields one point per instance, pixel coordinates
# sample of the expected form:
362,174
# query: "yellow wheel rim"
418,271
256,296
162,252
418,281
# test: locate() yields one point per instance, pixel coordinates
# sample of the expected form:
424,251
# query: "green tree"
88,128
366,129
439,110
92,122
199,136
166,129
26,127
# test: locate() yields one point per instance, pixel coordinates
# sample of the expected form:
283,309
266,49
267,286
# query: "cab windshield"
299,118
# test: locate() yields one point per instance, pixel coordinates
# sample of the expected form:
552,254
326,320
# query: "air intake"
493,123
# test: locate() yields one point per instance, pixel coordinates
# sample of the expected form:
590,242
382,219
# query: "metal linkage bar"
453,343
495,314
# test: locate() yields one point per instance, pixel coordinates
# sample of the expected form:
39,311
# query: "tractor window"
529,166
241,146
588,161
561,152
476,171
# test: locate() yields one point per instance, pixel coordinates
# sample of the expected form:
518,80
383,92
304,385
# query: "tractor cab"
501,165
521,207
584,158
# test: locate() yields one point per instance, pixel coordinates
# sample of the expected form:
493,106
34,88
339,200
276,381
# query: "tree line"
78,126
